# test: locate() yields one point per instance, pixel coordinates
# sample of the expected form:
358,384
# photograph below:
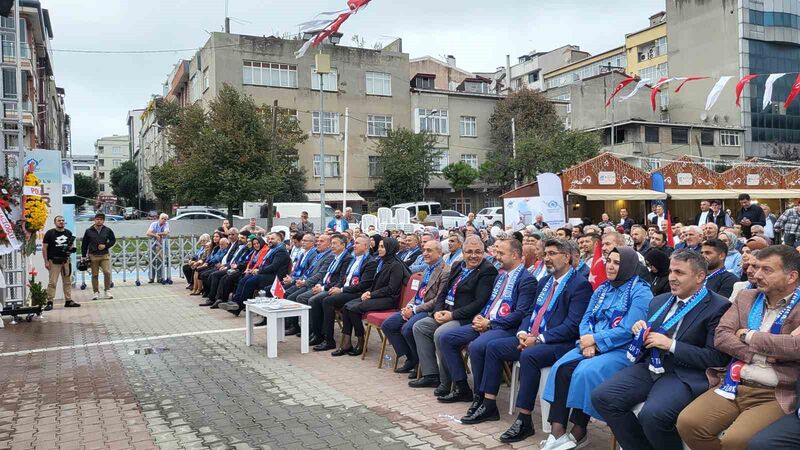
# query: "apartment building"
45,122
84,165
111,152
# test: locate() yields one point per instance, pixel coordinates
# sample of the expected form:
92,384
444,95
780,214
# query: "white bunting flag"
768,88
642,83
715,91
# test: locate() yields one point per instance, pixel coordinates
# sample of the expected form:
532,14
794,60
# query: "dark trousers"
248,287
205,278
790,239
531,361
187,273
664,399
452,343
400,333
214,282
355,309
781,435
228,285
329,307
559,411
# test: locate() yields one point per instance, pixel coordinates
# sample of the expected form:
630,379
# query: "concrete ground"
150,369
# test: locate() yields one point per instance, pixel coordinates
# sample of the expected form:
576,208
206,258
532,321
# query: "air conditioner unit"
642,57
651,53
704,117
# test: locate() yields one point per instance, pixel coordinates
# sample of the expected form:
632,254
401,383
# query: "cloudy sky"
101,88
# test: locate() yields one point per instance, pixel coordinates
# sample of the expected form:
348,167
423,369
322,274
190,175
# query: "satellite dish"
703,116
716,118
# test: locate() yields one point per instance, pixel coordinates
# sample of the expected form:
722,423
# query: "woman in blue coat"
605,334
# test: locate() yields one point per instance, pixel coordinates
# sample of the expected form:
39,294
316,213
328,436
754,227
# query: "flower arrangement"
36,290
35,215
9,199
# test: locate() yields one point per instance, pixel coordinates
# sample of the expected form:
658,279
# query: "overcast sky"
101,88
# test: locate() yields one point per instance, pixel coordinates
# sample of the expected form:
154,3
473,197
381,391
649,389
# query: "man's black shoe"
324,346
207,303
339,351
262,323
461,393
519,431
48,306
71,304
441,390
413,374
409,366
216,304
356,351
229,306
480,415
425,382
291,331
316,340
477,400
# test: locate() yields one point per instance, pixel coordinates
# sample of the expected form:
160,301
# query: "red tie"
537,322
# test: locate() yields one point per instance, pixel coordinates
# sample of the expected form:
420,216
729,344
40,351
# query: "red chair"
376,318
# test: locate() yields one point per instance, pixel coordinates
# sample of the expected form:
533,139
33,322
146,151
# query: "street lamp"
323,64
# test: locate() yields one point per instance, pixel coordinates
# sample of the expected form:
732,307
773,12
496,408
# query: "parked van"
289,211
222,212
432,209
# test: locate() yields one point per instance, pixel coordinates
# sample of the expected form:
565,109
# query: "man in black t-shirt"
57,245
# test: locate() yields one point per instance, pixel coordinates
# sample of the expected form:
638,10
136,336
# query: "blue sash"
356,278
716,274
453,256
505,296
617,315
450,300
423,287
314,264
543,297
733,375
333,267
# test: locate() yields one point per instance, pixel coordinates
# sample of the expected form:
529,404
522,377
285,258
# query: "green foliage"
461,176
554,153
86,187
163,181
533,113
125,182
228,154
36,291
294,188
408,160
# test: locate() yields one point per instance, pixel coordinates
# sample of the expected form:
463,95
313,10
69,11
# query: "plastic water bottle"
262,295
387,361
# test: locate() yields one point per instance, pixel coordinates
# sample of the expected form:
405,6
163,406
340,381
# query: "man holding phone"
57,245
97,240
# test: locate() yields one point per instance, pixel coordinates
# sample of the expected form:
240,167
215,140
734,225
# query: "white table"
275,323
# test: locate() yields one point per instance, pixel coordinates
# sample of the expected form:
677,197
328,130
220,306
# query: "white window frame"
468,126
195,88
331,166
471,159
444,159
373,166
269,74
729,138
330,122
379,83
206,81
435,123
379,125
330,80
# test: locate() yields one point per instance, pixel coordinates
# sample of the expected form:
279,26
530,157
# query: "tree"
86,188
555,152
533,113
125,182
460,175
408,160
294,188
165,186
228,153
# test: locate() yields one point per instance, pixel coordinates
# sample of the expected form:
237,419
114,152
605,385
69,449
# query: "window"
102,162
729,138
116,163
379,125
102,175
472,160
463,208
331,165
706,137
330,123
651,134
269,74
375,169
444,159
533,77
424,82
206,82
619,135
680,136
432,120
102,187
195,89
477,87
468,126
494,202
661,46
379,84
100,149
330,81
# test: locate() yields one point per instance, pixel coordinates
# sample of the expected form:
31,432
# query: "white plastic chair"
402,216
385,216
367,220
543,404
283,228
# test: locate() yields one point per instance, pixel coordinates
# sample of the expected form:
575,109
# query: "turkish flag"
620,86
277,289
597,273
670,236
685,80
793,93
355,5
740,87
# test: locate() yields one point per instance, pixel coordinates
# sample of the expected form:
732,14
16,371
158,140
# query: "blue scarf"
600,295
754,319
505,281
637,346
333,267
356,278
301,266
315,263
543,297
423,287
453,256
719,272
450,300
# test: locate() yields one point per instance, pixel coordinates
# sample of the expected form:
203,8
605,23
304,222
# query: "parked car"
90,218
452,219
131,213
433,209
201,209
202,215
489,217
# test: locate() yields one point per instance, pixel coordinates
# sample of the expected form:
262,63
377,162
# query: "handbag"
83,264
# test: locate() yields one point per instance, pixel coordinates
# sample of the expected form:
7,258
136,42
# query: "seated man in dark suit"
510,301
785,433
671,353
357,277
413,250
276,264
310,278
468,287
719,280
549,332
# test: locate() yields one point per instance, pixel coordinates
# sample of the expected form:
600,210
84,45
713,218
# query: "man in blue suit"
671,353
510,301
546,334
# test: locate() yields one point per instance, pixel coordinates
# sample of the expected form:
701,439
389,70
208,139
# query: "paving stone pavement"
149,369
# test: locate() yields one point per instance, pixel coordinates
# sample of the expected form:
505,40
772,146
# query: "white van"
433,209
289,211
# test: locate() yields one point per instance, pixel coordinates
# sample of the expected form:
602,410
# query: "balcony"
10,111
9,52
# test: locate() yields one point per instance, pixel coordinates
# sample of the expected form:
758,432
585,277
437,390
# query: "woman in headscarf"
658,263
733,262
384,295
605,333
373,247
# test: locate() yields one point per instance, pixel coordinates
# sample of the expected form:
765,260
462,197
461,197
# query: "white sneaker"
565,442
95,296
108,294
546,444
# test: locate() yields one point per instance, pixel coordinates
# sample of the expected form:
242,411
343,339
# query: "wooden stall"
765,185
688,182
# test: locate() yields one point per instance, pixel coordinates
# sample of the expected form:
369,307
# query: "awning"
619,194
334,197
757,194
700,194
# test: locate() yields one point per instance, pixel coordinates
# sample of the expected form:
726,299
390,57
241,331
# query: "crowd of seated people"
671,339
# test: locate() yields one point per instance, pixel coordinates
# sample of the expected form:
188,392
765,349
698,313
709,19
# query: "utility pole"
323,63
514,148
274,134
346,135
227,19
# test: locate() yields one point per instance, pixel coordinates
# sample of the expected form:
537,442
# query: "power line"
138,52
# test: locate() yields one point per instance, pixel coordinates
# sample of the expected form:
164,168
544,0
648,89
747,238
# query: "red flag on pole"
670,237
656,89
277,289
740,87
620,86
597,273
793,93
685,80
